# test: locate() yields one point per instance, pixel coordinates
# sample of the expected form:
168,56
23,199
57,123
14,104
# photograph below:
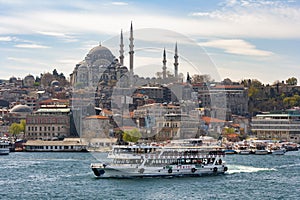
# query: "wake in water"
234,169
289,166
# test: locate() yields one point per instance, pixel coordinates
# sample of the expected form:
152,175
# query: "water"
68,176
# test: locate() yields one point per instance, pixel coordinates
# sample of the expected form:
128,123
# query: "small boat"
129,161
230,151
277,151
4,148
260,149
243,150
261,152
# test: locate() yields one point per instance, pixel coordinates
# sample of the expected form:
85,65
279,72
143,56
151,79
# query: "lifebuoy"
225,169
215,169
193,170
170,171
141,170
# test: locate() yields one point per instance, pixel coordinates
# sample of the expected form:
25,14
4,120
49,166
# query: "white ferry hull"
4,151
156,161
176,171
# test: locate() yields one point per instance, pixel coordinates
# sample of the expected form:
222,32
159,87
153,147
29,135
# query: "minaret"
121,49
176,62
164,68
188,78
131,52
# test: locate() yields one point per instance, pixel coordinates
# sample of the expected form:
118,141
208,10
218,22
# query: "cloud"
23,60
26,61
252,18
236,46
6,39
55,34
64,36
68,61
119,3
242,19
31,46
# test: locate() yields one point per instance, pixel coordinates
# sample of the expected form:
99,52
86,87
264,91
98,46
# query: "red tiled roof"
97,117
212,120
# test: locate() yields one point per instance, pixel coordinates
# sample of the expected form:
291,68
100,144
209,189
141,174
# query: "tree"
132,136
37,79
291,81
256,83
55,73
158,74
290,102
46,79
227,81
196,78
15,129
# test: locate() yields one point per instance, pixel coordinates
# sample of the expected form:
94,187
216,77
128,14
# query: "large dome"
21,109
100,52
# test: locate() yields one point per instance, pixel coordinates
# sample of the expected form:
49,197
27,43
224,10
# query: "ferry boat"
4,148
161,161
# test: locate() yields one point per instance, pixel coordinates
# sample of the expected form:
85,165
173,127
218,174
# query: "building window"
53,128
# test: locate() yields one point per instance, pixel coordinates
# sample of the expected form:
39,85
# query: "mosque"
100,66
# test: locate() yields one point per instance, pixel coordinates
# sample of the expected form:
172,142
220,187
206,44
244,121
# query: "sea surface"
68,176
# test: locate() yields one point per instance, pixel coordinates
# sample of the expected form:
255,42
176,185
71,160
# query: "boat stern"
98,169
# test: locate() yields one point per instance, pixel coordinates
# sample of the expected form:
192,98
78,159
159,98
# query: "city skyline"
244,39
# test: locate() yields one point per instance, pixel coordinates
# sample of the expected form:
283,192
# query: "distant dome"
54,83
21,109
29,76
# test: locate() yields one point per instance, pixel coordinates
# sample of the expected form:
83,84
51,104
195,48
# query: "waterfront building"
48,123
66,145
283,125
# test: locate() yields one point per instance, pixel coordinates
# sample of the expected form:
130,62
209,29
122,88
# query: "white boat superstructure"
152,161
4,148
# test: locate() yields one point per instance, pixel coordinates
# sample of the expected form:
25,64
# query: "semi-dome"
21,109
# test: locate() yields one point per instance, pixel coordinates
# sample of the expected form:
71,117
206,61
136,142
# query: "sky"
242,39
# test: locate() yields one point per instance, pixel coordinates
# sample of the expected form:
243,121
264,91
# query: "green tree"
228,130
15,129
291,81
290,102
132,136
